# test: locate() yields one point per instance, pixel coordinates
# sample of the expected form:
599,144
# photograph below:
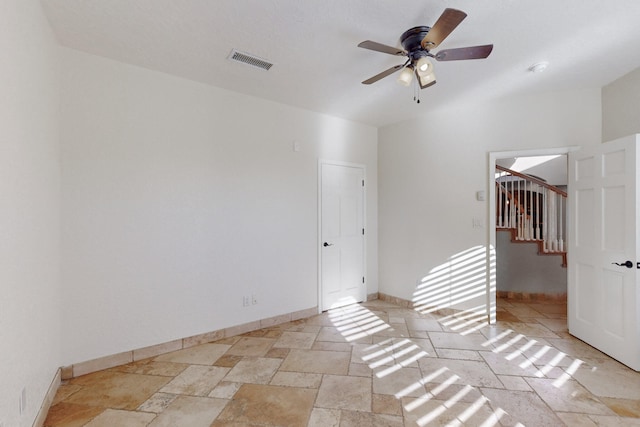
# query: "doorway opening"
516,269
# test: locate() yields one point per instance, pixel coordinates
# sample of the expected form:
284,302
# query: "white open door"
603,297
341,235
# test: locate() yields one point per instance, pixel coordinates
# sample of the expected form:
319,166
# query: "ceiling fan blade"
381,75
472,52
379,47
447,22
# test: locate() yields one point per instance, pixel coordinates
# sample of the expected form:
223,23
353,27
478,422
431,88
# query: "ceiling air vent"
247,58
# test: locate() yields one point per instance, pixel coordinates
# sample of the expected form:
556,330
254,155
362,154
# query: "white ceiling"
319,67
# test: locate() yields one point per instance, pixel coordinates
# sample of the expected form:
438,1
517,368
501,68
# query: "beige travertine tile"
547,356
418,324
156,350
385,404
157,403
514,383
446,353
476,374
524,310
277,353
190,411
463,373
360,370
611,421
242,329
258,370
509,364
71,415
523,407
332,334
400,383
396,330
581,420
359,419
204,354
101,363
151,367
207,337
549,308
297,379
332,346
296,340
64,391
196,380
317,361
454,341
321,417
227,361
530,330
568,396
373,355
276,320
116,417
623,407
608,378
115,390
454,392
432,412
257,404
343,392
251,346
554,325
225,390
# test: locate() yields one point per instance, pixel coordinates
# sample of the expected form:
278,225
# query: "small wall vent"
247,58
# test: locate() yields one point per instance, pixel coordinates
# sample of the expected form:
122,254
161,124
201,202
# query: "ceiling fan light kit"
424,66
406,75
417,43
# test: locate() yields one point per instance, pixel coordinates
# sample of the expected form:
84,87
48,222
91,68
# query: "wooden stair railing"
532,210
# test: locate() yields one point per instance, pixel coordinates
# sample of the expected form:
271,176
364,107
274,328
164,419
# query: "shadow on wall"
460,283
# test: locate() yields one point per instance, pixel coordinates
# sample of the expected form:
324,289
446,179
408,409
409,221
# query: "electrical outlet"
254,299
245,301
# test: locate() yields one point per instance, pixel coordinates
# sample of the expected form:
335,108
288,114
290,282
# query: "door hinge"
363,231
362,279
363,182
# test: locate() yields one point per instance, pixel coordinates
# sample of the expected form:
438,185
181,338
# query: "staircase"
532,211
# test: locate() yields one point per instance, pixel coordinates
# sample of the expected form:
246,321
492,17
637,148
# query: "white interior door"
341,235
602,296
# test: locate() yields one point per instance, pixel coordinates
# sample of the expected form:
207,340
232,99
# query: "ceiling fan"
417,43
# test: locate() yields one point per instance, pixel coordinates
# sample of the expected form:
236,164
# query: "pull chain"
416,92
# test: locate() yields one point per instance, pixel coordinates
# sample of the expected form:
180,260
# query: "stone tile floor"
371,364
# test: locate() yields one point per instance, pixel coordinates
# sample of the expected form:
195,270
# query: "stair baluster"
539,220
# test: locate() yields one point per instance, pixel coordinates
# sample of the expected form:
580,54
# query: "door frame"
491,280
363,167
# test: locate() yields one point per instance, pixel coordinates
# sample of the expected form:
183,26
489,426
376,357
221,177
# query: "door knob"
325,244
627,264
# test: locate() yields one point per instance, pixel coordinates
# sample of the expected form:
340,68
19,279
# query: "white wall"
29,210
180,198
621,107
519,268
430,169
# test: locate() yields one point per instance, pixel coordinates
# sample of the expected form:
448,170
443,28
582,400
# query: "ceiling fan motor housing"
411,42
